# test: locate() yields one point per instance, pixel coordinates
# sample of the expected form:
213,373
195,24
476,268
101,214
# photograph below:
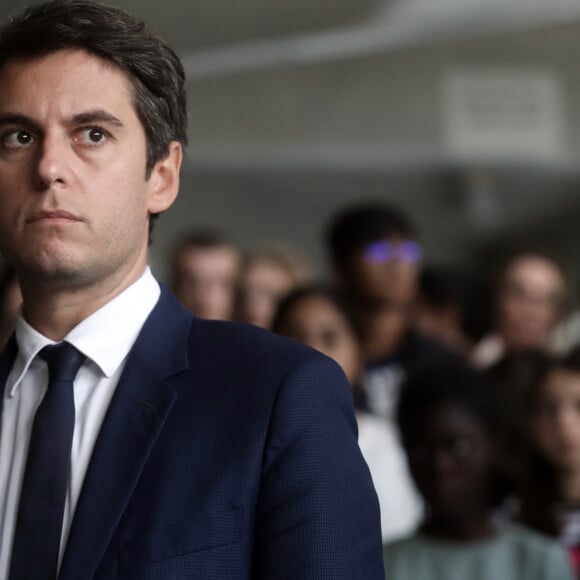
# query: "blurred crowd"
466,385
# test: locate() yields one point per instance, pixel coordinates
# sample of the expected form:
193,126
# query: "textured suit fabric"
226,453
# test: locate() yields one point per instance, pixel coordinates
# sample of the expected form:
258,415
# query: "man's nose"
52,166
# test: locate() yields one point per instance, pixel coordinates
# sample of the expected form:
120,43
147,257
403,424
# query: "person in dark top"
376,257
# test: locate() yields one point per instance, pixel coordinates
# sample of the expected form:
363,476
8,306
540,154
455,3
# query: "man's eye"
92,135
17,138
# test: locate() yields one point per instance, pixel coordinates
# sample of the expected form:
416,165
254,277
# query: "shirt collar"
105,337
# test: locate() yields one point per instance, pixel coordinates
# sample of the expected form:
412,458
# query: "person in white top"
193,453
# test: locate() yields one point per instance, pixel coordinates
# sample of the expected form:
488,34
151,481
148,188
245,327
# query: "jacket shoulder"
248,346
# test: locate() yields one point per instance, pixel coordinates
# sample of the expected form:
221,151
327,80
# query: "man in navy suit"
198,450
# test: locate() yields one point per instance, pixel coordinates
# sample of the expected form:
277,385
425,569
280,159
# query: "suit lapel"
141,403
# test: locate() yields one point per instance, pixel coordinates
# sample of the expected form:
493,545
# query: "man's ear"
164,180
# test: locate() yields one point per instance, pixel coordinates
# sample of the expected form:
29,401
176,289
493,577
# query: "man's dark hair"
153,69
358,225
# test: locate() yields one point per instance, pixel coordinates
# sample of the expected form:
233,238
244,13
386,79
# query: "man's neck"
54,310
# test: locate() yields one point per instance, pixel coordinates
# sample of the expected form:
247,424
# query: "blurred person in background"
531,297
550,494
318,316
267,275
453,307
447,421
513,378
376,260
10,302
204,273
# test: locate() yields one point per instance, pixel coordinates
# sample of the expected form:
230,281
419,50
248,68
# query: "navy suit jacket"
226,454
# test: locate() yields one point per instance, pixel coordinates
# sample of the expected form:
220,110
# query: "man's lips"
53,215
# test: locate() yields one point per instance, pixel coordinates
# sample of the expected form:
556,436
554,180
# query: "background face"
530,301
383,277
555,422
262,285
206,281
450,457
315,321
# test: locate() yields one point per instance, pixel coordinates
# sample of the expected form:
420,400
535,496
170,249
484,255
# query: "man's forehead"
69,75
71,60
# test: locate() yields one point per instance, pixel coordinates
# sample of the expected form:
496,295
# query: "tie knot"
64,361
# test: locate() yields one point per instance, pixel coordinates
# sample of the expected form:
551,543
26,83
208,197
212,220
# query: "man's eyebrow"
17,119
96,116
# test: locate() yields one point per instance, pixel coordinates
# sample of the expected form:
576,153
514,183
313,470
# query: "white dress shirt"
105,338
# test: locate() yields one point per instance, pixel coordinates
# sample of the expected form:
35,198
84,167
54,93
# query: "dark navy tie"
40,512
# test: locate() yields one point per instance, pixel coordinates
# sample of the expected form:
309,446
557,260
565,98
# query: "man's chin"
52,272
